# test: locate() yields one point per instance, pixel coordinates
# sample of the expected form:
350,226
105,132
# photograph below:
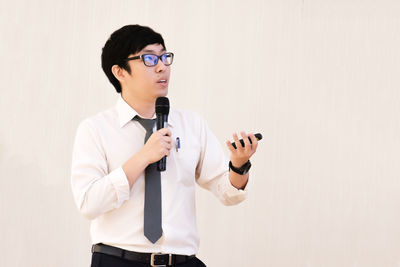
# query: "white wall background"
319,79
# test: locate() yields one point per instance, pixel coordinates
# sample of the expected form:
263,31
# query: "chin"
160,94
163,93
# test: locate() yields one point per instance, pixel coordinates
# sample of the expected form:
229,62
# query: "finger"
164,143
165,151
164,131
237,142
247,145
167,139
246,141
254,142
230,146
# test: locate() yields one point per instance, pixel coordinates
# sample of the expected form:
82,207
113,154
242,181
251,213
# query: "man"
114,155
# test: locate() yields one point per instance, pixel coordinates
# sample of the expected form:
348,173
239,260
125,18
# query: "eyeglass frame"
158,58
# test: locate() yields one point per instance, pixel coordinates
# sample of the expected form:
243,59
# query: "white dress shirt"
104,142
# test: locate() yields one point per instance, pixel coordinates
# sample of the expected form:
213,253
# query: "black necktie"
152,192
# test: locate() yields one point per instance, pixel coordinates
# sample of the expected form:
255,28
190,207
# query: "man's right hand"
157,146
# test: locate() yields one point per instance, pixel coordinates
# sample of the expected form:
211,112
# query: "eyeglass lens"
151,60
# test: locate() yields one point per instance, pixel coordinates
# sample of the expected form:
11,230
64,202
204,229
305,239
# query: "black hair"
130,39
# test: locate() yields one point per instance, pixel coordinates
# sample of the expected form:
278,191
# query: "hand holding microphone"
159,144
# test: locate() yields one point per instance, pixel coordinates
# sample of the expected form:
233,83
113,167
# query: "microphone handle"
162,120
162,164
161,123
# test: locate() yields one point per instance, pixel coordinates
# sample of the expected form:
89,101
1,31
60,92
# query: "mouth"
162,81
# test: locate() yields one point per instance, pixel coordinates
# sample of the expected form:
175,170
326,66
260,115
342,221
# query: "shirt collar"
126,113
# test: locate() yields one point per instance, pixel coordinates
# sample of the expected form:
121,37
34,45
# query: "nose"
160,67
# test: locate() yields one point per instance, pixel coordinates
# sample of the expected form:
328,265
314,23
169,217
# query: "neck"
144,107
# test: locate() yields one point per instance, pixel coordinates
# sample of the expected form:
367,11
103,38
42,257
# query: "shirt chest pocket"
186,153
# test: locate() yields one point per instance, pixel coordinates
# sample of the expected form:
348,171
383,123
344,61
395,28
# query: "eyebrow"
152,51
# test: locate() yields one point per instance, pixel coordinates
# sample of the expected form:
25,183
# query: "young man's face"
147,83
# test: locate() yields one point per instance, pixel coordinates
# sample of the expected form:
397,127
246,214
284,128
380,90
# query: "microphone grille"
162,105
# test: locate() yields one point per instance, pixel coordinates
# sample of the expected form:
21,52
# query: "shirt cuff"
233,190
232,194
120,182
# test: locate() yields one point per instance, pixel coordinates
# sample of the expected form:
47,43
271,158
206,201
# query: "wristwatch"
242,170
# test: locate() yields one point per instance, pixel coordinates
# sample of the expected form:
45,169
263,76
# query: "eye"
167,58
149,58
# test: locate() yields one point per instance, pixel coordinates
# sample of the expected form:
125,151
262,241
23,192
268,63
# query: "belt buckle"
155,254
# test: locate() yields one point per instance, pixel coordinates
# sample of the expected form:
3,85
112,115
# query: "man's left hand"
241,155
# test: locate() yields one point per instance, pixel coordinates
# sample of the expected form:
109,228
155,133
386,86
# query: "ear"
118,73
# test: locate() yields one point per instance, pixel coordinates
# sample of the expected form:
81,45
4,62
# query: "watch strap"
242,170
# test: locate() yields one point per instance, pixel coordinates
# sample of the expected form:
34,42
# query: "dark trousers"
103,260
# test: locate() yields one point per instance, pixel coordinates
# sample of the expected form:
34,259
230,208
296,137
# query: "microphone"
162,111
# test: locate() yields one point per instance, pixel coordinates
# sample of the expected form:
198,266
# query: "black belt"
154,259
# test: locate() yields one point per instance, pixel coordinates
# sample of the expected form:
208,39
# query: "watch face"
246,167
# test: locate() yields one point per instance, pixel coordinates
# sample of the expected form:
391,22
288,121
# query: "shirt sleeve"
212,171
95,189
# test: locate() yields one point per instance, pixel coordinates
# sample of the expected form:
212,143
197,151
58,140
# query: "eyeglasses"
151,60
